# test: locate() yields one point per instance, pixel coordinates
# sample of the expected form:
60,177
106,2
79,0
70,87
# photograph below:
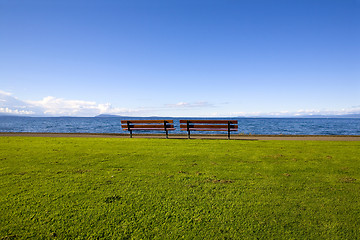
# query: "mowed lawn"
94,188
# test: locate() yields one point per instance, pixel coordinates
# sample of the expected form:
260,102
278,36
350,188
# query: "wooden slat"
210,121
148,126
146,121
208,129
153,129
208,126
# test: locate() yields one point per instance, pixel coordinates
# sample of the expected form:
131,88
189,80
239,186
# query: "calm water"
294,126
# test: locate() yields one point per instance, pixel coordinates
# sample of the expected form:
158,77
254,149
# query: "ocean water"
266,126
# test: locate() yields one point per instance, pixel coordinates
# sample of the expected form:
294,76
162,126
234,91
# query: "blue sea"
266,126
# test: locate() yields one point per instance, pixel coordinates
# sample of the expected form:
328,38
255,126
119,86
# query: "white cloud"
13,106
58,106
15,112
107,108
301,112
328,112
61,107
52,106
190,105
5,93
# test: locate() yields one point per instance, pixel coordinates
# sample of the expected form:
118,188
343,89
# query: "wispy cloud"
200,104
15,111
301,112
5,93
63,107
59,106
52,106
353,110
13,106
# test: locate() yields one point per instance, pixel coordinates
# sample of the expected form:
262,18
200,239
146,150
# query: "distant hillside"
107,115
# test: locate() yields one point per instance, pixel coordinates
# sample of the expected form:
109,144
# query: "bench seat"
208,129
209,125
150,129
147,125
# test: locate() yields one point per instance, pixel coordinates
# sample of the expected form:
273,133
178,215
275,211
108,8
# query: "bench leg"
167,134
188,134
130,133
228,130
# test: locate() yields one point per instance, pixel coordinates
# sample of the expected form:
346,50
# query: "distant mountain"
353,115
109,115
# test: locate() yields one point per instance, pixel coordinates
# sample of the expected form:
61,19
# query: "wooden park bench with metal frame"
209,125
148,125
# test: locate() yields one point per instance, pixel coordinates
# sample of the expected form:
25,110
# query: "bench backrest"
147,125
209,125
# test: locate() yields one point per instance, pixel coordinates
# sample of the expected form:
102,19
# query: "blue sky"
180,58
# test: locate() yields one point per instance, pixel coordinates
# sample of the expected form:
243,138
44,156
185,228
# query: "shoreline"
193,136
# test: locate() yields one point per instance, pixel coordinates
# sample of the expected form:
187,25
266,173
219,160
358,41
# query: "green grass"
89,188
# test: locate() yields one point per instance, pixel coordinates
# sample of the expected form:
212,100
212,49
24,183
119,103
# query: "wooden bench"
149,125
209,125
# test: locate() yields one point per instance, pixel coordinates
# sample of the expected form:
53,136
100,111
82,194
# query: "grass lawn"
89,188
